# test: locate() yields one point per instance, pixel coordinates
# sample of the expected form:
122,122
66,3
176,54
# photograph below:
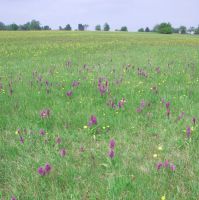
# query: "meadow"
95,115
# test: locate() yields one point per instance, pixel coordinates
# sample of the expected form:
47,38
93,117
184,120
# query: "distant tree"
175,30
197,30
26,26
35,25
165,28
86,26
20,28
191,30
141,30
80,27
2,26
60,28
106,27
13,27
46,28
98,27
124,28
147,29
156,28
68,27
183,29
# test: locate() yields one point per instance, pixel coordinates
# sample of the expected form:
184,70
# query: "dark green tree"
124,28
46,28
106,27
13,27
165,28
98,27
2,26
141,30
147,29
80,27
26,26
35,25
68,27
183,29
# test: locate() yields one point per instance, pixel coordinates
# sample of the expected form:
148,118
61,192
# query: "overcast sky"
132,13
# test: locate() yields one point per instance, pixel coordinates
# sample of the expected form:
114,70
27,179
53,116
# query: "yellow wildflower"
163,198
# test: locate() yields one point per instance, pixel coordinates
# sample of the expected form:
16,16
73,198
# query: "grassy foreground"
143,93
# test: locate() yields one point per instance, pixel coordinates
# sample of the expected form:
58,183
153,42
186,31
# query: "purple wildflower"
166,164
58,140
92,121
142,104
194,121
121,103
188,131
112,144
21,140
45,113
42,132
172,167
47,168
138,110
75,83
13,198
41,171
103,88
69,93
62,152
111,103
111,154
159,165
167,105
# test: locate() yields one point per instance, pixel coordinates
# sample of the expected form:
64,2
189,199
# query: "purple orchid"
112,144
69,93
62,152
45,113
188,131
93,120
41,171
111,154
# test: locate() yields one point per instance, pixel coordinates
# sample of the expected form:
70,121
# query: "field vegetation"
99,115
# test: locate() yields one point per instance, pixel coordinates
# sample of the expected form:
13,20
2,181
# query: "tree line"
164,28
33,25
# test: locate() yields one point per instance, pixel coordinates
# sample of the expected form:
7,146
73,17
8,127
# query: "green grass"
91,174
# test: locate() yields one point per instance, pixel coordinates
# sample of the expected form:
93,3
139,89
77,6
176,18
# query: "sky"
131,13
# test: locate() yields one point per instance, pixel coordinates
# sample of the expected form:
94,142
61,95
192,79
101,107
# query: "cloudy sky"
132,13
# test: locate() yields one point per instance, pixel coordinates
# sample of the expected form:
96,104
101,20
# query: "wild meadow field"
99,116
